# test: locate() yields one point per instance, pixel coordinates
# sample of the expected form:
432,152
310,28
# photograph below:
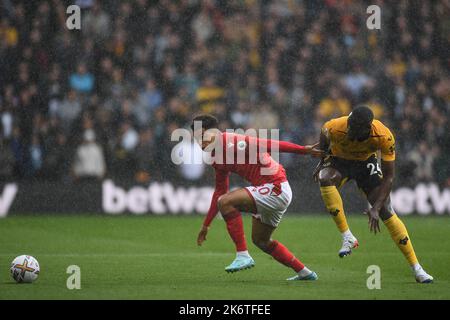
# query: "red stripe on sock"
282,254
235,229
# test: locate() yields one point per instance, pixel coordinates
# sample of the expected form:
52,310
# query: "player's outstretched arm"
268,145
324,145
222,185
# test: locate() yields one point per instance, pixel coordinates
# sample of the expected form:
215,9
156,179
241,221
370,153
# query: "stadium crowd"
102,101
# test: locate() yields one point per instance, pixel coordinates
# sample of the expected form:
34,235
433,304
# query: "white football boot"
421,275
348,243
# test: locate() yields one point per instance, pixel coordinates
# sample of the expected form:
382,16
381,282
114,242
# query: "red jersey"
242,155
249,157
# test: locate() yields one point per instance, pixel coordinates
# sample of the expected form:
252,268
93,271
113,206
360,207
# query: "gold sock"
400,236
333,202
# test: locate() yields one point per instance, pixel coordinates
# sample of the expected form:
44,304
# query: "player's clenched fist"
202,235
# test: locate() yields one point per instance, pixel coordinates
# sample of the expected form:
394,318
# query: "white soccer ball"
25,269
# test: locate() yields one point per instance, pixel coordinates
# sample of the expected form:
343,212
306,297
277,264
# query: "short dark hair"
361,115
207,121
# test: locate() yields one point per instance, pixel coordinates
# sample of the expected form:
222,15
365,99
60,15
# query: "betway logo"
7,197
157,198
423,199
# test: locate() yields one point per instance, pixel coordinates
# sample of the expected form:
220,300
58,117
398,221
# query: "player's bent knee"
220,201
224,204
326,177
326,181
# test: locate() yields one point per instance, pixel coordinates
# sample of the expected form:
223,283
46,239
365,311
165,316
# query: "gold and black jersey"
381,139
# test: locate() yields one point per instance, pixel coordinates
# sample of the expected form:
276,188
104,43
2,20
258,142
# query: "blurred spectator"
209,93
8,33
189,80
357,80
68,110
202,24
423,158
96,23
193,167
129,137
264,118
36,156
144,156
7,160
84,4
333,106
82,81
6,123
139,69
147,101
56,160
240,117
89,161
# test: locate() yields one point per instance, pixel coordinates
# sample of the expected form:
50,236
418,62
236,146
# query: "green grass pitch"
147,257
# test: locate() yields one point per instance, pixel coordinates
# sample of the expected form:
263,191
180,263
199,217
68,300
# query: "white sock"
416,267
347,234
242,254
304,272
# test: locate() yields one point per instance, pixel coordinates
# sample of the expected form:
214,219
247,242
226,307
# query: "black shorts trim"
367,174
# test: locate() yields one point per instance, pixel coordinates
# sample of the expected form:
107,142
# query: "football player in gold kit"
352,143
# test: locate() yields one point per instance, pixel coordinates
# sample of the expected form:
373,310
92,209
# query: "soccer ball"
24,269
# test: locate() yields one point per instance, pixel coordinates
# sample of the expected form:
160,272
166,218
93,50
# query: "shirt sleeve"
387,146
326,128
222,185
267,145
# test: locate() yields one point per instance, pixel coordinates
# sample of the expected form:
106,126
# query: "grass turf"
147,257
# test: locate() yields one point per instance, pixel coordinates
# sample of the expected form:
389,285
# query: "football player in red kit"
267,198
